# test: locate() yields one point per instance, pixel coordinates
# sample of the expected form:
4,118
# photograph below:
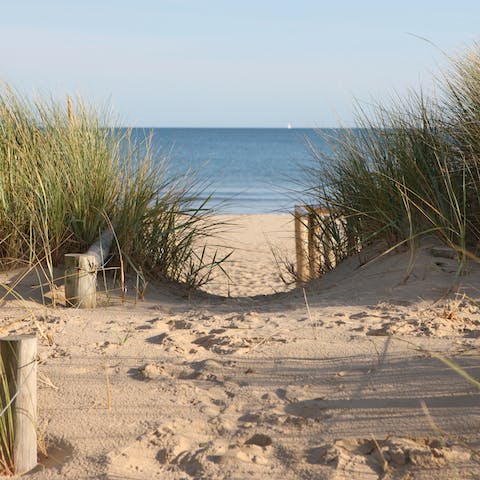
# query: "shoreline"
251,214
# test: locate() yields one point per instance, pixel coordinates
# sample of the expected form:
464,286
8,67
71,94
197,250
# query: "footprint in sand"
171,451
314,408
181,324
289,412
255,419
56,454
189,449
256,450
371,459
216,342
359,315
174,341
153,371
144,327
209,370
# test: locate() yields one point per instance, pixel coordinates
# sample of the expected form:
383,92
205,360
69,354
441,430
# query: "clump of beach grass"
408,169
66,174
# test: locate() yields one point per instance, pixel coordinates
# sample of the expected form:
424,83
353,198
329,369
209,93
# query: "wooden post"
314,247
301,242
80,280
81,272
19,357
313,253
326,246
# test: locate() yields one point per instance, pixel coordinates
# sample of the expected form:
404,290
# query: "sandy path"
220,388
252,269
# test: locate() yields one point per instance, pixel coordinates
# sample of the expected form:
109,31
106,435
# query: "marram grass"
409,169
7,466
65,176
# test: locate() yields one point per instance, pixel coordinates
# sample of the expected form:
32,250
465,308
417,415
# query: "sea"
242,170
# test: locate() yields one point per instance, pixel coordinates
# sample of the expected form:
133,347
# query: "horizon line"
236,128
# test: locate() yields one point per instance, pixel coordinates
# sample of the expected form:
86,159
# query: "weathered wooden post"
81,272
80,280
314,244
314,247
19,358
301,244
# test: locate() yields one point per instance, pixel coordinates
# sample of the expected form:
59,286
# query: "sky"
231,63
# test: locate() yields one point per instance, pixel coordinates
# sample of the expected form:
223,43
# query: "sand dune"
217,387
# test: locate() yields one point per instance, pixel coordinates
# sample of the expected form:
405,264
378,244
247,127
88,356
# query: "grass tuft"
407,170
65,176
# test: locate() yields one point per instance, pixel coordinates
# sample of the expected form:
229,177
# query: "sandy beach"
242,381
259,244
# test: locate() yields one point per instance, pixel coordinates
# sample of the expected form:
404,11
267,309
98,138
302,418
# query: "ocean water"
246,170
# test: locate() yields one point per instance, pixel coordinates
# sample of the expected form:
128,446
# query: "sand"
262,244
253,386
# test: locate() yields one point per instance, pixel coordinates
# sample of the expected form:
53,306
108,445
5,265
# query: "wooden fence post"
301,244
19,357
81,272
314,246
80,280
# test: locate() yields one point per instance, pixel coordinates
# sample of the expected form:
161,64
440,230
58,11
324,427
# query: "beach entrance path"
252,267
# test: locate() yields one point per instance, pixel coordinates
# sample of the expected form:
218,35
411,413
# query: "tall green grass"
7,466
409,169
65,176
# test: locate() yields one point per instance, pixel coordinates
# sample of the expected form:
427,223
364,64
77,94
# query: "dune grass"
6,425
65,176
409,169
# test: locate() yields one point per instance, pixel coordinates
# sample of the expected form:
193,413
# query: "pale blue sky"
238,63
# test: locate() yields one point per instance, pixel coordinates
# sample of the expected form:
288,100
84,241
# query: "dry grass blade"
451,364
384,463
313,322
441,432
46,381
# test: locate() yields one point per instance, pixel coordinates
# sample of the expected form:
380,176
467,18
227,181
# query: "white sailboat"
289,125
